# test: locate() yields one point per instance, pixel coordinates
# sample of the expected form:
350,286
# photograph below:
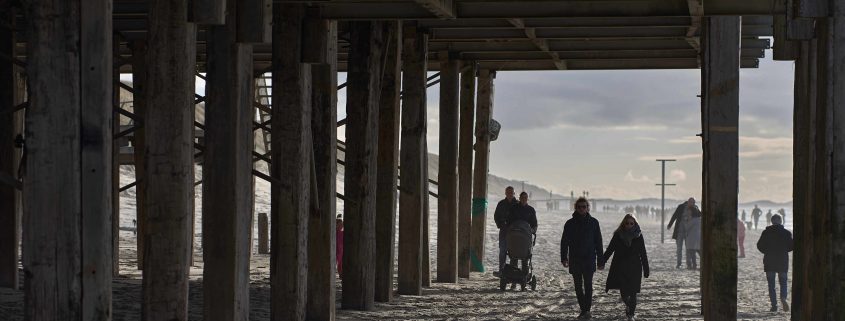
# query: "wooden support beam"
784,48
68,262
227,189
322,35
443,9
115,161
387,169
720,120
810,8
98,190
254,21
263,234
486,90
825,227
426,223
413,159
209,12
447,191
169,149
291,154
465,167
139,103
9,156
367,41
805,104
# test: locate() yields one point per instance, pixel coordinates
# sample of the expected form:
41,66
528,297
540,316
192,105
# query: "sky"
601,131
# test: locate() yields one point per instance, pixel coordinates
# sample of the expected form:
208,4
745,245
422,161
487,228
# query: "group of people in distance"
581,249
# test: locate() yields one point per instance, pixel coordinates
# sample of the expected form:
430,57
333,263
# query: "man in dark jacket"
755,215
682,215
503,211
524,212
580,245
776,243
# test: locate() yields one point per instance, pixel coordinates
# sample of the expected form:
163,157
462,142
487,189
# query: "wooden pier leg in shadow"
720,120
447,178
412,180
482,155
465,167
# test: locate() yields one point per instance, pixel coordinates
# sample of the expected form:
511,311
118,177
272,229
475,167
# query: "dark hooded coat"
630,263
580,243
775,243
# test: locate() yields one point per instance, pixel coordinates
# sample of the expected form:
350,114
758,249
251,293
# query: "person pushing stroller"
522,229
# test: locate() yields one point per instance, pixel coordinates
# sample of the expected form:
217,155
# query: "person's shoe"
587,315
774,308
678,266
581,316
497,274
513,286
785,305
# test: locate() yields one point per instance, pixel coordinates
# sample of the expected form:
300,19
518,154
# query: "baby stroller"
520,240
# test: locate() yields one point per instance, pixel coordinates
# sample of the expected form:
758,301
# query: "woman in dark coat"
629,264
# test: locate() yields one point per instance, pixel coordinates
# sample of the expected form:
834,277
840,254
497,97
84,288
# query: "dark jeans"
503,248
630,299
584,289
770,276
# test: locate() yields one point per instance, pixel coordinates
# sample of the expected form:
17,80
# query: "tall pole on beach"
663,197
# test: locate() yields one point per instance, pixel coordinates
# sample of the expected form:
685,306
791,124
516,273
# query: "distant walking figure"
782,213
693,240
740,237
755,215
580,246
339,245
629,264
769,218
503,212
682,214
776,243
743,216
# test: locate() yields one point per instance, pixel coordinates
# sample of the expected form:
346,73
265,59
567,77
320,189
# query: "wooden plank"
209,12
291,154
809,8
139,102
804,108
169,150
227,202
486,90
444,9
465,167
412,153
388,163
720,120
115,160
97,188
9,220
53,260
784,48
322,34
254,18
823,301
447,177
263,234
367,41
426,223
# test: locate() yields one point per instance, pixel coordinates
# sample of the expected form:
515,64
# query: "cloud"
686,140
761,147
629,177
675,157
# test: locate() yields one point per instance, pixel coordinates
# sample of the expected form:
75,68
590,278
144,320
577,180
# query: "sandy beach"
669,294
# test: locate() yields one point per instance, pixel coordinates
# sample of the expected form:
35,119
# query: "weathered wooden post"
320,49
227,202
169,149
720,120
366,59
447,180
9,154
426,219
482,154
412,184
68,262
291,152
465,167
263,234
388,161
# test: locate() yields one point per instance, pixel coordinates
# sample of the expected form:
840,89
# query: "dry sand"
669,294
